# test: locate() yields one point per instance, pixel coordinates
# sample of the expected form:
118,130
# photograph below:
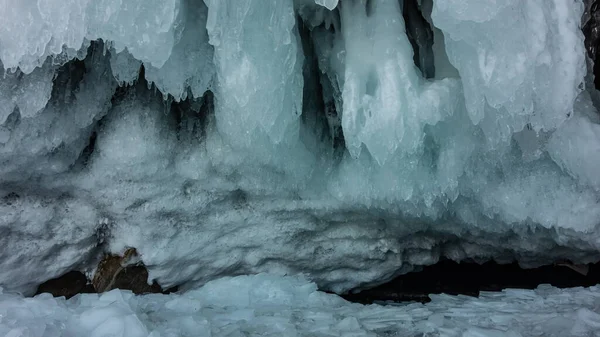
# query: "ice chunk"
290,306
112,316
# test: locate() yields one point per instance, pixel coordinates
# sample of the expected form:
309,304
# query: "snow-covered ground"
266,305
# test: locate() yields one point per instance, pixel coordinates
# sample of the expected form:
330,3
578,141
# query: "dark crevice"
13,120
445,277
339,143
11,198
319,111
313,100
191,116
369,7
86,154
67,80
121,92
470,279
420,35
66,86
88,150
591,31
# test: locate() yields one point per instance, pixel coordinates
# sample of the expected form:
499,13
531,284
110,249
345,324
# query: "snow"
227,157
266,305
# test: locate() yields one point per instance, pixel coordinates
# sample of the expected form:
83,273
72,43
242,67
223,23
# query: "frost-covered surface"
320,146
264,305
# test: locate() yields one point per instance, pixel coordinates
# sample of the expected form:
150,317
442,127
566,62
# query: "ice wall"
235,137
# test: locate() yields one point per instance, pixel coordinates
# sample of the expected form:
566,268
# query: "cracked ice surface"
293,137
264,305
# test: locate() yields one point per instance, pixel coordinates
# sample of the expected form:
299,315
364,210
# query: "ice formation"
264,305
350,140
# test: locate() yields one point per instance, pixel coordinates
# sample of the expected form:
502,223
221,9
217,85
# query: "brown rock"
67,285
123,272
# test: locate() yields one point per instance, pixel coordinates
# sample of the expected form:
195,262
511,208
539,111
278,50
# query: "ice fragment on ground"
290,306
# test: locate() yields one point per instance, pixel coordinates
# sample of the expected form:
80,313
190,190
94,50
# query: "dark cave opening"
449,277
445,277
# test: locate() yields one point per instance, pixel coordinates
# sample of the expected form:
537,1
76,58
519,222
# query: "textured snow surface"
293,136
264,305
